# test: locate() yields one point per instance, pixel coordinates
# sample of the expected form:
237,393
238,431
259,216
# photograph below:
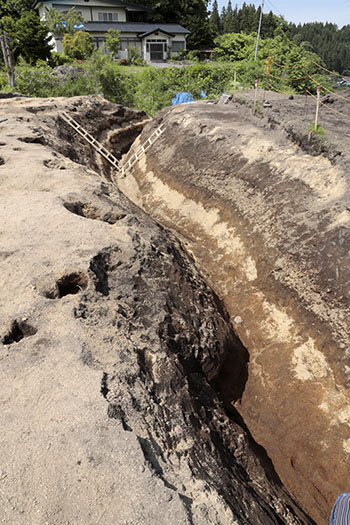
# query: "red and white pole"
255,94
317,106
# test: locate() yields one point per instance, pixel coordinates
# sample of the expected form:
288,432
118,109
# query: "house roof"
150,32
142,29
117,2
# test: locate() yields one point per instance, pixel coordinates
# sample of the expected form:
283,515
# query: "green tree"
79,45
228,23
113,41
192,14
291,65
329,42
215,18
14,8
60,23
28,37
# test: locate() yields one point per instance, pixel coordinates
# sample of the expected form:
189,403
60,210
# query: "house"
154,41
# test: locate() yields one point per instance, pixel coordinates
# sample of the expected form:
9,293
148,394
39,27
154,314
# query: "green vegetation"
290,67
113,41
146,88
320,131
28,37
245,20
14,8
78,45
192,14
60,24
329,42
283,64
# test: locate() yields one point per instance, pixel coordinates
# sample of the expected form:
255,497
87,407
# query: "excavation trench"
233,462
227,185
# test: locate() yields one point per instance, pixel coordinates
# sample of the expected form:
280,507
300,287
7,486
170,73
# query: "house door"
157,52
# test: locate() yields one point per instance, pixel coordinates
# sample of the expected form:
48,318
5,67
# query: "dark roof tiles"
134,27
117,2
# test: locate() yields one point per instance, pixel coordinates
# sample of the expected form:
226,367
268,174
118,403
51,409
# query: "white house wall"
178,38
89,12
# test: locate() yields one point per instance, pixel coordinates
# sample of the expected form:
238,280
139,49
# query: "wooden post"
235,79
317,106
255,94
8,59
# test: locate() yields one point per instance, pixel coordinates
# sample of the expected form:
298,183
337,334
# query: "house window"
129,42
136,16
108,17
66,12
177,46
98,42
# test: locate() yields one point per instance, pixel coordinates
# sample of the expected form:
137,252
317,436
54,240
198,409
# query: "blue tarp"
182,98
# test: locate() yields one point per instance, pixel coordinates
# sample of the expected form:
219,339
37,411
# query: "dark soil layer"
265,214
117,358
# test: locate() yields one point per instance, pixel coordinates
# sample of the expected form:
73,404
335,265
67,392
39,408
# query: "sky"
301,11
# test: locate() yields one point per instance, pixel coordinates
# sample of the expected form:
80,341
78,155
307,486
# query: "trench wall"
268,226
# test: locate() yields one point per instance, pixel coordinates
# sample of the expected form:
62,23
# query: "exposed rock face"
112,349
268,225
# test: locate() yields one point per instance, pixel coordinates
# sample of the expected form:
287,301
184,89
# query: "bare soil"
264,211
117,358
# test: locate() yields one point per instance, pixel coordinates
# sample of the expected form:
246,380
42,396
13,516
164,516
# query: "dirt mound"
268,225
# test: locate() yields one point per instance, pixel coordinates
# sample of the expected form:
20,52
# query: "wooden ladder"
90,139
129,164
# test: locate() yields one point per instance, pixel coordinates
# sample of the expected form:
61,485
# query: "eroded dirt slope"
268,225
112,349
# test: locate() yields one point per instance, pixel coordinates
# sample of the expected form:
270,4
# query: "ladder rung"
89,138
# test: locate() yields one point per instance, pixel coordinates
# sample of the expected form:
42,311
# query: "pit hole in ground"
2,143
69,284
89,211
2,161
18,330
53,164
32,140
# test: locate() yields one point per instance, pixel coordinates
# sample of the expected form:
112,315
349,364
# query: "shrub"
193,55
113,41
3,80
181,55
319,131
133,54
79,45
73,87
39,81
59,59
139,62
116,86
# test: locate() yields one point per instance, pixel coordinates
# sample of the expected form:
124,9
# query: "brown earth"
118,362
265,214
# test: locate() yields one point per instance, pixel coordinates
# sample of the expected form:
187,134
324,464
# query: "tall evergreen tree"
329,42
192,14
14,8
228,22
28,36
215,18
